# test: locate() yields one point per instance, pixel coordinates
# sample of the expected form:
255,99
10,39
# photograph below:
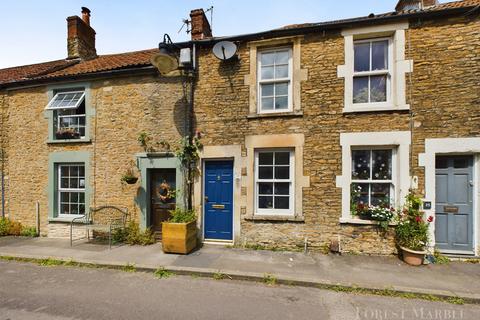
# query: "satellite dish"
224,50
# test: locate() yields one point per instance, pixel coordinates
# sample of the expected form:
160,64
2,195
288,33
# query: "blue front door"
218,200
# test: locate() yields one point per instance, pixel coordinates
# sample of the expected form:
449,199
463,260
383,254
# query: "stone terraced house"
300,125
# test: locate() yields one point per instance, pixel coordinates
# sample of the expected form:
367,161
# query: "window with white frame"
275,80
69,117
71,189
372,179
274,188
372,71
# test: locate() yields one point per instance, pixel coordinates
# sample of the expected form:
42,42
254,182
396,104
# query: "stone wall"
123,108
3,147
444,97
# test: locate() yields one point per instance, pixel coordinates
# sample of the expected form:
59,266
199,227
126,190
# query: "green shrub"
29,232
4,226
14,228
132,235
180,215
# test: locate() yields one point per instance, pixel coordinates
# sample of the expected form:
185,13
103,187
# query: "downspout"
2,151
191,125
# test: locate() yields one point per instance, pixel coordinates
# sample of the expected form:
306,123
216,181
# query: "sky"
33,31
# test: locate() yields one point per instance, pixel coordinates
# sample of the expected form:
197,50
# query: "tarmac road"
29,291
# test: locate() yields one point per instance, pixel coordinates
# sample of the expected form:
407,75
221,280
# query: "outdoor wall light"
166,60
171,57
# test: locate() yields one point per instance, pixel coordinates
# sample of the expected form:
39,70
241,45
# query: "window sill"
294,114
374,108
69,141
275,218
362,222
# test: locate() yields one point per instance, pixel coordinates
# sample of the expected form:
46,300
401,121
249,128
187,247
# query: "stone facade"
442,92
123,107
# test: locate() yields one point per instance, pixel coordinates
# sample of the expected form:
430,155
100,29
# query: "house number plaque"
450,209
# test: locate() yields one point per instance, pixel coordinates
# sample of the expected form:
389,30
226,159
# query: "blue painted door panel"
218,201
454,190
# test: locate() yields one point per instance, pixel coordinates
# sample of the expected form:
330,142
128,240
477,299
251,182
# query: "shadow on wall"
180,114
141,194
229,69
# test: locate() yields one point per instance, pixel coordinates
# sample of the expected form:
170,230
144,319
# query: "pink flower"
418,219
430,219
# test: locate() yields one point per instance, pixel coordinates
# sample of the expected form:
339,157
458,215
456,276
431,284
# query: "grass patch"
269,279
129,268
393,293
440,259
218,276
161,273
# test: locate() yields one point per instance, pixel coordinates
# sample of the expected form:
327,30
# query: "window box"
67,133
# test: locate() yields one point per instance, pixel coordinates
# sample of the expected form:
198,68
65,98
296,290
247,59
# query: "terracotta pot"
179,237
412,257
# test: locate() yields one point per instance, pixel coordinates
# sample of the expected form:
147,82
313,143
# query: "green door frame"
146,162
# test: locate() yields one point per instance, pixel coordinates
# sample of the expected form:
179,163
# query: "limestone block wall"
442,91
123,107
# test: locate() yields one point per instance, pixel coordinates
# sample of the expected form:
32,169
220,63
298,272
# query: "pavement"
454,279
32,292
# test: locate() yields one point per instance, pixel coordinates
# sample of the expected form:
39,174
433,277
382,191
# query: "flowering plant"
412,229
383,213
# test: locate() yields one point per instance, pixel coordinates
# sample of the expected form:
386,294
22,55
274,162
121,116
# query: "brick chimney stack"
200,26
414,4
81,37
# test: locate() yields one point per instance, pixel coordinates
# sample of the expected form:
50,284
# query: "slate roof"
131,60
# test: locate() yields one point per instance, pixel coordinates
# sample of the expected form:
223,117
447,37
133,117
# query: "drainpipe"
3,184
191,125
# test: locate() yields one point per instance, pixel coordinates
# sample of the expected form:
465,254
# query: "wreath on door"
164,192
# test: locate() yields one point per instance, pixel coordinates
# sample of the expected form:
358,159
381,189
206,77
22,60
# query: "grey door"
454,203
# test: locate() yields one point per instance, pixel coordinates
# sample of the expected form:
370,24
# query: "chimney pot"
81,37
86,15
200,26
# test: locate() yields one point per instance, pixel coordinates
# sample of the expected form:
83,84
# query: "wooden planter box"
179,237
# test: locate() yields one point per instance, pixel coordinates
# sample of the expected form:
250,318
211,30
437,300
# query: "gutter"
30,83
339,24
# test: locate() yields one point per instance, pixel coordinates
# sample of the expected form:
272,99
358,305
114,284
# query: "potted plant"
129,176
67,133
411,233
179,233
383,213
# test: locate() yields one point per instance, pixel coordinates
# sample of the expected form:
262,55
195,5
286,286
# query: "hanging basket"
130,180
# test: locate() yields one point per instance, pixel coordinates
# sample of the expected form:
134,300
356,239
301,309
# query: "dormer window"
69,115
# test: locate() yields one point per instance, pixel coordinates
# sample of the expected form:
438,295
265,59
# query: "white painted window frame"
260,81
399,140
389,72
393,181
75,106
399,66
60,189
291,181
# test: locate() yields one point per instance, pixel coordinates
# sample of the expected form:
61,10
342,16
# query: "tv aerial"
225,50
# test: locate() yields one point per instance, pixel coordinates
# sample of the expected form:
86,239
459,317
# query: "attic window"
66,100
